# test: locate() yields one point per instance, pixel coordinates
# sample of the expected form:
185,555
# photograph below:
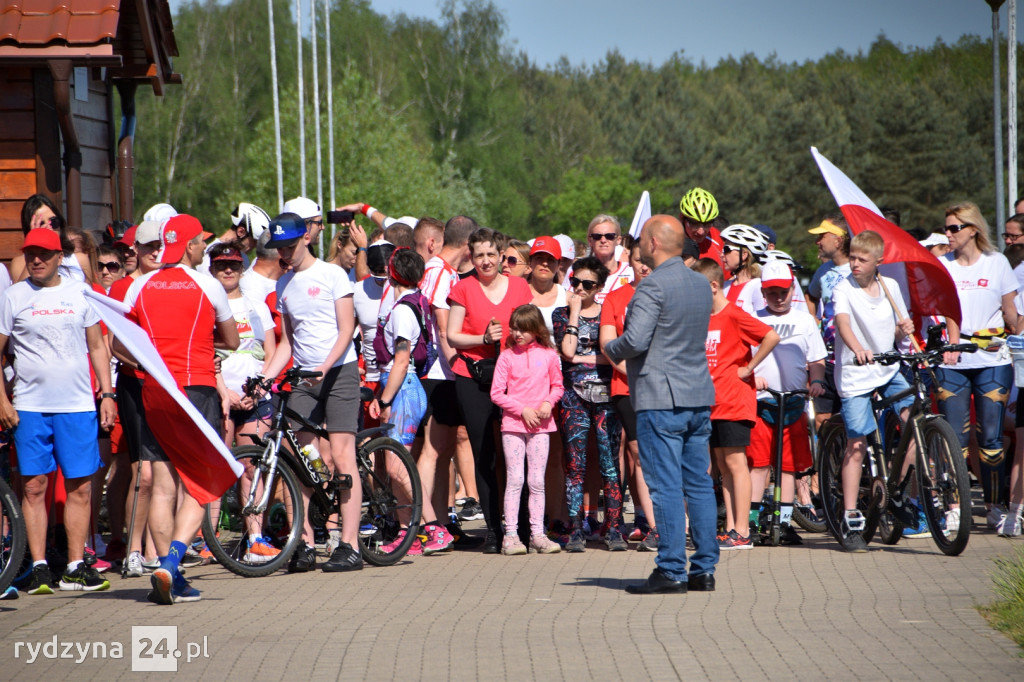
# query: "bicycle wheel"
810,517
392,500
890,528
12,534
226,528
807,511
944,485
831,448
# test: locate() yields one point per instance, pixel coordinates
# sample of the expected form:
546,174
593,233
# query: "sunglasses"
598,236
588,284
110,266
226,265
953,229
728,249
511,260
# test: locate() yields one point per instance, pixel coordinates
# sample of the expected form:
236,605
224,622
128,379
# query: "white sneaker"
995,516
333,540
1010,526
134,565
953,521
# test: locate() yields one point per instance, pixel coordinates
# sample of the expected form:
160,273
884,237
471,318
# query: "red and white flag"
206,466
927,286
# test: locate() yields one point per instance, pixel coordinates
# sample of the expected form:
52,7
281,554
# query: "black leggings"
479,415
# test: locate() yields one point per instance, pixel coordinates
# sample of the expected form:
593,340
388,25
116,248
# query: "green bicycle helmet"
699,205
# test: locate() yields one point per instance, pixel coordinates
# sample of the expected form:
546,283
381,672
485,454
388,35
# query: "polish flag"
642,215
206,466
926,285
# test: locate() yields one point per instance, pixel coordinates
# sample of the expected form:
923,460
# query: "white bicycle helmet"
750,237
254,218
775,254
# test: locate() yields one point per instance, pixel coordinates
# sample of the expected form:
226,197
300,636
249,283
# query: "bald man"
663,345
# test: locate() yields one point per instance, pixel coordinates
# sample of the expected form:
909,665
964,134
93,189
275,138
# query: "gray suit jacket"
663,342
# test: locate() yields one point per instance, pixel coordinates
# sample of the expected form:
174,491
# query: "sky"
710,30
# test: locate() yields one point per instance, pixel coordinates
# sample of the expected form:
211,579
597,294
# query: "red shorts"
796,446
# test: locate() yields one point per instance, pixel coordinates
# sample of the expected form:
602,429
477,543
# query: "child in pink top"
527,383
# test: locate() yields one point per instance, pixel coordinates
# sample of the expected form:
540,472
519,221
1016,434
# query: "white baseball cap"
302,207
934,239
147,232
567,245
405,220
159,213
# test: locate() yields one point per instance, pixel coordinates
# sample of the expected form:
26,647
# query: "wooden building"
60,62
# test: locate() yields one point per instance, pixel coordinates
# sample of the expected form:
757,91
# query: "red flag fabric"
204,463
925,282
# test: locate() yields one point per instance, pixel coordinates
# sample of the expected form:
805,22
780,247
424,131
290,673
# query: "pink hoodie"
526,377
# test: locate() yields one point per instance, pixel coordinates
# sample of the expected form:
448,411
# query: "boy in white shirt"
315,302
865,324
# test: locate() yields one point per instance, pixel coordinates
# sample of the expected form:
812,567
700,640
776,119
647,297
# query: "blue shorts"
857,413
46,439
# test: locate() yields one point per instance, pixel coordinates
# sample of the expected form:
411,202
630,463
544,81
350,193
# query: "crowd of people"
547,387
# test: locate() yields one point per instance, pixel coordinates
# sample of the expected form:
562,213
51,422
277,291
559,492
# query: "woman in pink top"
527,384
477,324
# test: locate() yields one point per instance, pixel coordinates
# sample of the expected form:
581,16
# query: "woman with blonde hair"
987,287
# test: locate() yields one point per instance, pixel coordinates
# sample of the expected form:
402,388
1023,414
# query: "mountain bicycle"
267,499
785,409
807,503
938,469
13,535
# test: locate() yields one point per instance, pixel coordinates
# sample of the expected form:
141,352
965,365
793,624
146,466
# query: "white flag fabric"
643,213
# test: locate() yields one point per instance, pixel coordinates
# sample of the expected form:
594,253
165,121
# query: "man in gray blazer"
666,327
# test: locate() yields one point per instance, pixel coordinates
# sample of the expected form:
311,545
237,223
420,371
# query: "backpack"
425,352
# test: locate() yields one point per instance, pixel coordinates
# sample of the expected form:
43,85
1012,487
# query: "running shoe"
90,558
592,529
11,593
511,545
542,544
614,541
40,580
734,540
952,519
367,530
852,527
191,558
303,560
558,532
650,542
162,582
343,560
577,542
334,539
471,510
463,540
207,556
260,551
394,544
185,593
995,516
919,529
1010,526
438,539
83,579
640,529
151,565
134,568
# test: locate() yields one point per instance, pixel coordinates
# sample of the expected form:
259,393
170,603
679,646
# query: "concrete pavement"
810,612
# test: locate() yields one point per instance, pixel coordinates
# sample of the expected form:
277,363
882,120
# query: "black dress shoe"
702,582
658,583
491,544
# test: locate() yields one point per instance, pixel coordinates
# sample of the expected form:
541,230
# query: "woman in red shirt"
477,324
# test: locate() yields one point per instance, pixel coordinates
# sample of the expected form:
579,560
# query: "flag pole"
896,309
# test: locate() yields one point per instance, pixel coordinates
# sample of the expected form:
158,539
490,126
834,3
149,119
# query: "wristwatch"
112,396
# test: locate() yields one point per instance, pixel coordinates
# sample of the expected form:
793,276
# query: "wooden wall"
92,123
17,153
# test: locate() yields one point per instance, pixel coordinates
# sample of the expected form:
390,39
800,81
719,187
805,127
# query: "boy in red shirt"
732,333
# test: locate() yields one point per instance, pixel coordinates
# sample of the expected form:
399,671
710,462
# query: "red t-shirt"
711,247
613,313
479,311
179,309
118,291
731,334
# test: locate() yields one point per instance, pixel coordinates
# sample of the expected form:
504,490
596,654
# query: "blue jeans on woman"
990,387
675,458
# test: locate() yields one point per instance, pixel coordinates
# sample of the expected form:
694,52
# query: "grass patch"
1007,613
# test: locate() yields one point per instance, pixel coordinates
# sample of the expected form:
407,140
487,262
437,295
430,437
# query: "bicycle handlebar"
932,357
784,394
292,377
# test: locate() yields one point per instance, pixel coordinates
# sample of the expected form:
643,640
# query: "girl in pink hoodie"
527,383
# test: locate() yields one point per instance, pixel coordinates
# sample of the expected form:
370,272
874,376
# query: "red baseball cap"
175,234
775,273
547,245
43,238
128,238
229,253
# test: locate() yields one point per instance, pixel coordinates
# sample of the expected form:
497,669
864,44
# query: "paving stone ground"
803,613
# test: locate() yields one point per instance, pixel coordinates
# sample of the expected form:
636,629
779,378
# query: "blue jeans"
675,459
990,387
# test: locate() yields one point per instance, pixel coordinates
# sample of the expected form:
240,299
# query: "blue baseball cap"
285,229
767,232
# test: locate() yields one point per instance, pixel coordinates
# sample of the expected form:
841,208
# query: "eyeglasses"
953,229
598,236
1010,237
319,222
588,284
110,266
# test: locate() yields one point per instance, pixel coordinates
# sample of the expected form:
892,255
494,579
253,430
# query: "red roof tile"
74,22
